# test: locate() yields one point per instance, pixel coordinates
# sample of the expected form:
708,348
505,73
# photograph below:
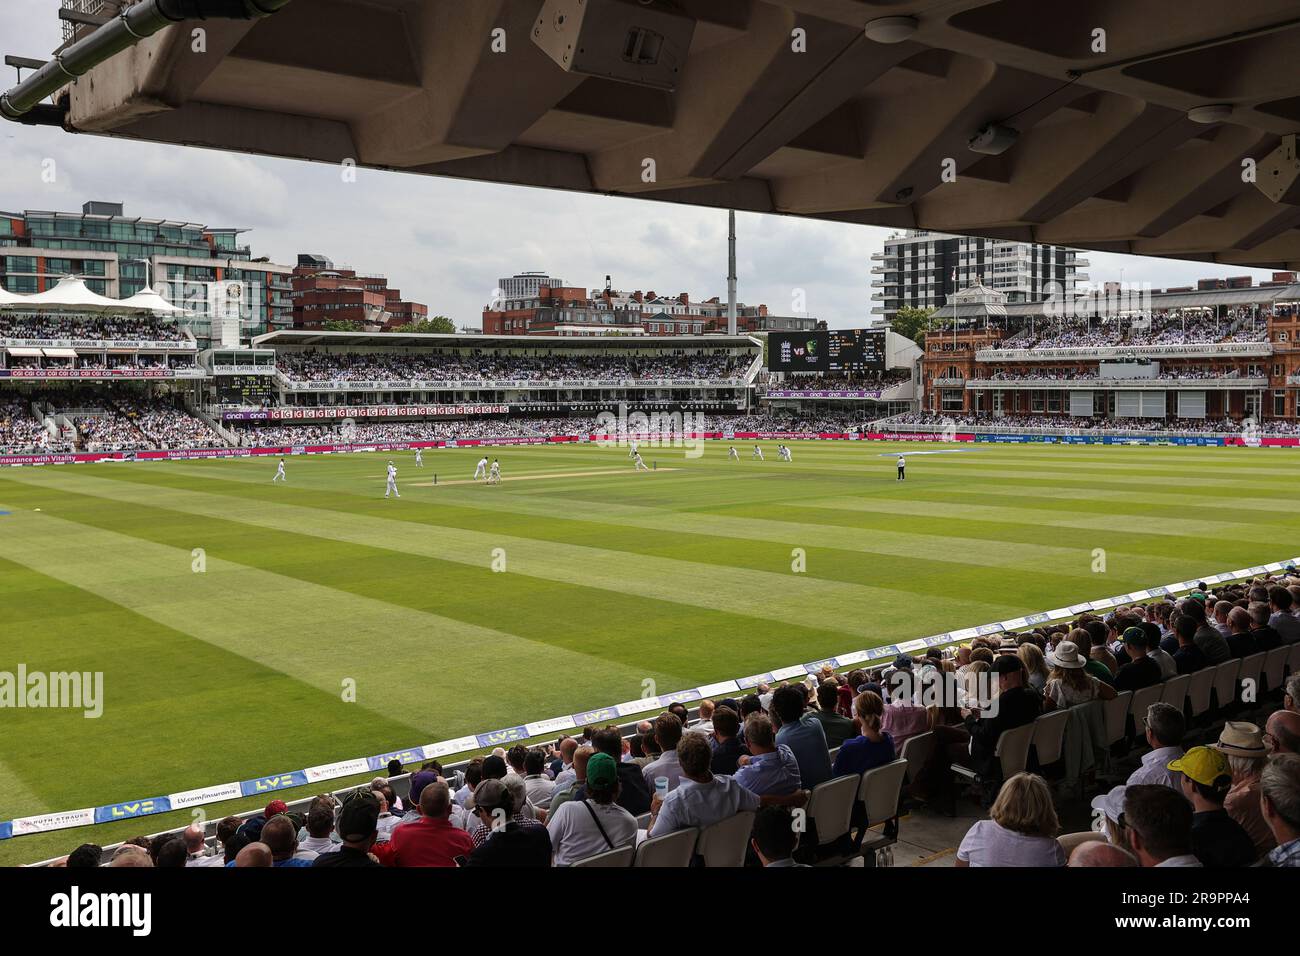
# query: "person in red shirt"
431,840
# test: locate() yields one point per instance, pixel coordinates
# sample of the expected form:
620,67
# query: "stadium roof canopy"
71,294
1126,124
472,340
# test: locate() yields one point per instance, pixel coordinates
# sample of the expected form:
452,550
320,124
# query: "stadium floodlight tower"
731,272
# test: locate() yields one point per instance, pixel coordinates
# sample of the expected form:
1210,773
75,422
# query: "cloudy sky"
446,242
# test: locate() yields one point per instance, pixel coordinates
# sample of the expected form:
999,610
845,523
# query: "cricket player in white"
632,448
279,472
758,453
482,470
419,458
901,466
639,464
732,454
785,453
392,481
494,475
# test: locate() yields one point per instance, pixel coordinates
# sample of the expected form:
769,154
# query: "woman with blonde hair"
874,747
1021,829
1031,655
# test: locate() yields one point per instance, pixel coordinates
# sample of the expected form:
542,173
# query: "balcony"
1118,384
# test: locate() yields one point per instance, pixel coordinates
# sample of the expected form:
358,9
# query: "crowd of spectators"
1039,374
1233,801
474,366
20,432
97,328
844,383
1160,329
124,425
1062,422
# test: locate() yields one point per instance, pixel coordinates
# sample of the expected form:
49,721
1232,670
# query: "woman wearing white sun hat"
1243,744
1069,683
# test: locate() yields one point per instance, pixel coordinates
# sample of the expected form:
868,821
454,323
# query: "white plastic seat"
1049,736
618,857
1275,667
1225,682
1198,690
1175,690
879,794
1251,669
724,843
1141,702
1117,710
1294,661
672,850
830,807
916,751
1012,752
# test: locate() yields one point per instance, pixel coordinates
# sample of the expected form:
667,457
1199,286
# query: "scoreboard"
841,351
243,389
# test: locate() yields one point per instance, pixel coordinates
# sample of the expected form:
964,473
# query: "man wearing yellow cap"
1217,839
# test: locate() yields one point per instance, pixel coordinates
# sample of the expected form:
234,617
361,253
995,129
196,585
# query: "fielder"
494,474
419,458
732,454
785,453
901,466
758,453
391,487
279,473
482,470
638,464
633,449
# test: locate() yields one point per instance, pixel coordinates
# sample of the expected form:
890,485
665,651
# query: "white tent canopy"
71,292
150,301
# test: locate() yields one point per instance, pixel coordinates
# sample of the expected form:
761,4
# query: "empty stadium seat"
671,850
879,794
916,751
725,842
1293,663
1225,683
1117,711
830,813
1048,736
1275,667
1252,668
1198,690
1174,691
1141,703
620,857
1012,753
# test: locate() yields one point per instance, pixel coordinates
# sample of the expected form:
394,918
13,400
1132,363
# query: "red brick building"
325,293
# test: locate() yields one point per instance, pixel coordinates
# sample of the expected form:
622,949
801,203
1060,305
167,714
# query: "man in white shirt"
594,824
391,487
668,733
537,785
197,852
320,825
481,470
701,798
1164,730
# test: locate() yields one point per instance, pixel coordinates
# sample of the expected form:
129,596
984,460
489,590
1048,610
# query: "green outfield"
233,662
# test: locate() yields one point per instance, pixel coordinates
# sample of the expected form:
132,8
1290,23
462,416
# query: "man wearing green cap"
594,823
1217,839
1141,671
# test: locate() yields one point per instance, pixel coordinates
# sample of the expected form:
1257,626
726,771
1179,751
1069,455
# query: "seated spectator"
1291,697
473,777
701,798
1282,732
1280,789
1158,821
563,794
1021,829
837,729
508,838
280,836
592,823
256,854
1266,638
770,768
725,741
319,826
1217,839
537,784
1140,671
803,734
1281,619
1099,651
873,747
1165,728
1241,643
703,724
904,717
667,734
1243,745
1069,682
1188,658
633,795
774,838
358,821
128,855
430,839
1207,637
1100,853
1036,670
